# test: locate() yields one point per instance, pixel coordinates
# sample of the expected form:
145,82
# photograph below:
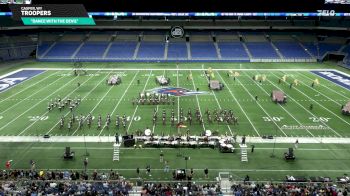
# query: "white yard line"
289,97
210,169
305,76
178,100
157,149
257,102
82,99
27,98
38,102
154,126
137,106
217,101
28,86
281,106
318,103
239,105
108,139
116,106
199,107
98,103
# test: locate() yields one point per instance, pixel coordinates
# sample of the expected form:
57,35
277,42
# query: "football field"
27,90
24,107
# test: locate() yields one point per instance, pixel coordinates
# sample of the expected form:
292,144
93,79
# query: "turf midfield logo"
177,91
336,77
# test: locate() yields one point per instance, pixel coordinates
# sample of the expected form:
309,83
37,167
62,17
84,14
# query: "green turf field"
23,112
24,107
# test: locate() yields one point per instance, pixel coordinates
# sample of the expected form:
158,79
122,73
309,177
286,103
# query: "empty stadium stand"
195,46
16,47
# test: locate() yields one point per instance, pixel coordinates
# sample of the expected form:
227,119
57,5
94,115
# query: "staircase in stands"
244,153
116,151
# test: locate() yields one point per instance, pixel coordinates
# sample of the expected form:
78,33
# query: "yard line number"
38,118
273,118
319,119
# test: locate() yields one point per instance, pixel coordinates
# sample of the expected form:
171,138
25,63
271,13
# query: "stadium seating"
203,50
16,47
63,49
151,45
43,47
177,50
232,50
121,50
151,50
92,50
262,50
320,49
291,50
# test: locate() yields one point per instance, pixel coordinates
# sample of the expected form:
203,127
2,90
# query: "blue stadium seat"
43,47
177,50
203,50
262,50
92,50
323,48
63,49
122,50
232,50
151,50
291,50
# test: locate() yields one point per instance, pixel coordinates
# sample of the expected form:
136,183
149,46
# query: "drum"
208,133
148,132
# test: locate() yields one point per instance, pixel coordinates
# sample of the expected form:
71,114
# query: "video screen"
15,1
337,1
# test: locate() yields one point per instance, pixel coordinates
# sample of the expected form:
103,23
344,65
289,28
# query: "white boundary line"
121,98
217,101
290,97
184,69
281,106
137,106
199,107
10,73
252,140
157,149
81,99
37,102
239,105
210,169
